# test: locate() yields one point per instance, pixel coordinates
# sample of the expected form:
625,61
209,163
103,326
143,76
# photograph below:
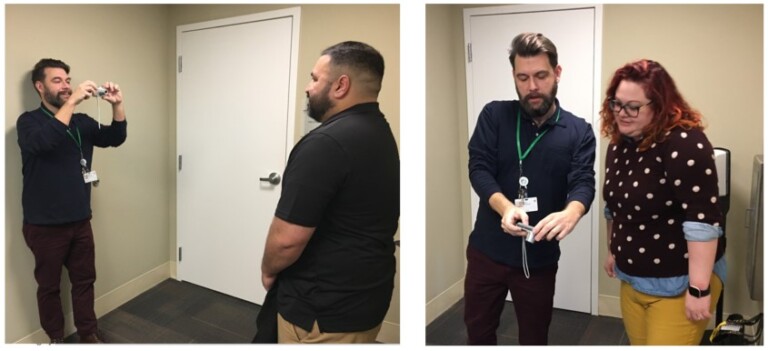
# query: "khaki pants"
655,320
287,333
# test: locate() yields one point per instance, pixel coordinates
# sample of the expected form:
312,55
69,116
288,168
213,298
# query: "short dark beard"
546,103
53,99
319,105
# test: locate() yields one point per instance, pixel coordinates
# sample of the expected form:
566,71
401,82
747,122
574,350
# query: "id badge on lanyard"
528,204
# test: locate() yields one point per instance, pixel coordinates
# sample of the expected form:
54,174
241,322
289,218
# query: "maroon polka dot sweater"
651,193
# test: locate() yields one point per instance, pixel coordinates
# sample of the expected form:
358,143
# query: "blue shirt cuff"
607,213
697,231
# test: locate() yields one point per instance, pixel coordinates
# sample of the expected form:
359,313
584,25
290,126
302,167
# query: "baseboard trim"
174,269
609,306
389,333
108,302
443,301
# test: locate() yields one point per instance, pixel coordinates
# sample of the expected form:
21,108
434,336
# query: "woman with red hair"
662,208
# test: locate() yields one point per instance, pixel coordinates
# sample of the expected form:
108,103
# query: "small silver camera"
101,91
529,237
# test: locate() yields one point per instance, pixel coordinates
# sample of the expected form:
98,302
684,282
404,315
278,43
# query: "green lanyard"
77,141
522,155
522,192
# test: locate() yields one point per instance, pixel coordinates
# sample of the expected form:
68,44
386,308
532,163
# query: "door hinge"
179,163
469,52
179,254
179,63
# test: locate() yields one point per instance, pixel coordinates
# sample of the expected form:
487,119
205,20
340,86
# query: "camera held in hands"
528,232
100,91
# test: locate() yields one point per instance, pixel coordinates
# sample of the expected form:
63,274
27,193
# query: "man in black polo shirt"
331,240
530,161
56,153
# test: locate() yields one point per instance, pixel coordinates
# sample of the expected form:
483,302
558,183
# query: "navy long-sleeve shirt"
54,189
560,169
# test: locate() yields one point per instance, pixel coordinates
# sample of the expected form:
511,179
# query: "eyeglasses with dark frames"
632,110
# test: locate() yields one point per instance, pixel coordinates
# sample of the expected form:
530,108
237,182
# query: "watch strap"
698,293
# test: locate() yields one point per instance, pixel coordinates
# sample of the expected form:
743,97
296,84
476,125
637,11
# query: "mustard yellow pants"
288,333
656,320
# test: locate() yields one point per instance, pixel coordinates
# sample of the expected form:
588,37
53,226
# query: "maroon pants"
485,290
70,246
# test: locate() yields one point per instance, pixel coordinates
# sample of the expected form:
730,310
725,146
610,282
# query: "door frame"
597,101
290,138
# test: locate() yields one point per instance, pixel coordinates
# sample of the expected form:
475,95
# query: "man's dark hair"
532,44
38,73
359,57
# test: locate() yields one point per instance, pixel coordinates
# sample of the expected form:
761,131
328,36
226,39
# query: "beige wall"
134,45
715,54
125,44
447,200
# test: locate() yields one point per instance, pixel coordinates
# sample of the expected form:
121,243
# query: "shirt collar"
45,109
549,122
359,108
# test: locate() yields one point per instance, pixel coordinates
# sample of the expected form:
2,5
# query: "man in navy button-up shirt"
530,161
57,152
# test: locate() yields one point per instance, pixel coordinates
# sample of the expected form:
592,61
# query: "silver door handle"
273,179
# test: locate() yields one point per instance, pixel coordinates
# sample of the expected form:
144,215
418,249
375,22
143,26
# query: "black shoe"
94,338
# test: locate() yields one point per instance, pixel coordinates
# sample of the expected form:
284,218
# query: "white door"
236,84
488,33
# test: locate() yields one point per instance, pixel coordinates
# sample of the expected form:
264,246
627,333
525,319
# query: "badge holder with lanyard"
528,204
88,175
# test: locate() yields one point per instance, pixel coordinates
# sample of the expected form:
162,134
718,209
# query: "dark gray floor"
180,312
567,328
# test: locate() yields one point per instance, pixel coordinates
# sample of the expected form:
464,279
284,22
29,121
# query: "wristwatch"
696,292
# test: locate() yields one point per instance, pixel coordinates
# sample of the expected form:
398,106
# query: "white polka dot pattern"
669,183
